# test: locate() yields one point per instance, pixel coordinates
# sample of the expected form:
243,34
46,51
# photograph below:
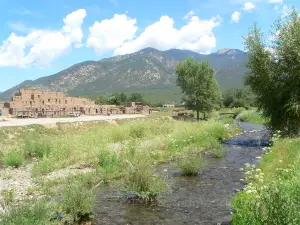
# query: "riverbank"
65,162
203,199
273,188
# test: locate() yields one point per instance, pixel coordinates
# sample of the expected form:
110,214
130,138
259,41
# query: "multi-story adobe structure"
32,102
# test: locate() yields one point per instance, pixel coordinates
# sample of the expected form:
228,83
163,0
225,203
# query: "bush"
108,160
139,180
28,213
273,193
14,159
36,149
190,164
251,116
77,201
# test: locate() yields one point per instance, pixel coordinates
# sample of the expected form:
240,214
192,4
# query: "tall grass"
13,159
273,194
251,116
77,202
28,213
190,164
139,179
36,148
85,146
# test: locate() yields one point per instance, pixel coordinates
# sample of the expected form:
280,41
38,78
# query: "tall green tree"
274,73
198,85
238,97
136,97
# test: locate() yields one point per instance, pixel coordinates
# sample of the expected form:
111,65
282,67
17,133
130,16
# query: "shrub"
36,149
43,167
140,180
14,159
28,213
251,116
77,201
273,193
190,164
108,160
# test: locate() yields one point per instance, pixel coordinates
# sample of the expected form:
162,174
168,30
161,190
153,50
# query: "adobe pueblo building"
35,103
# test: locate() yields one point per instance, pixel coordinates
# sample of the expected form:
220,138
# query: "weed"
28,213
36,149
272,194
14,159
251,116
77,201
8,196
190,164
140,180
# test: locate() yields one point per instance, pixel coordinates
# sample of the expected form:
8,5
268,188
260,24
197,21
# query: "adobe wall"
36,103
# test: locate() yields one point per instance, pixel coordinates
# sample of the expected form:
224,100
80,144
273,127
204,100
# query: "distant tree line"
117,98
238,97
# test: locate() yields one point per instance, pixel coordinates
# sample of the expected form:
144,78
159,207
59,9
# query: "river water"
204,199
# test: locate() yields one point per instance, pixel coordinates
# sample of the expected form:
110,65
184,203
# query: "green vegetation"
139,179
274,74
28,213
77,202
251,116
190,164
200,88
14,159
272,195
122,153
38,149
117,98
238,97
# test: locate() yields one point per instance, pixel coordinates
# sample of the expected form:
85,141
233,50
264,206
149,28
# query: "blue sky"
40,38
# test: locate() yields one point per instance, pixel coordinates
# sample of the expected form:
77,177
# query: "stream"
204,199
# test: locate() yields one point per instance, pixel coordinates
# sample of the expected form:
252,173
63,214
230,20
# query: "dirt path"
43,121
196,200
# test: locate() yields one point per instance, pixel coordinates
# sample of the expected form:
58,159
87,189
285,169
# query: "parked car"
74,114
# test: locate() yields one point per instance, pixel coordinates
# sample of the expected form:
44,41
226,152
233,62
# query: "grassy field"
273,192
85,155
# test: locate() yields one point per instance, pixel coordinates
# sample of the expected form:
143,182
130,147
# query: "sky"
41,38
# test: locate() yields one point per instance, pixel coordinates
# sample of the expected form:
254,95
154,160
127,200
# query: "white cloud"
19,27
109,34
275,1
235,17
41,47
248,6
197,35
189,15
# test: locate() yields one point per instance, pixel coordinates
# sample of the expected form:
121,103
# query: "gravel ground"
41,121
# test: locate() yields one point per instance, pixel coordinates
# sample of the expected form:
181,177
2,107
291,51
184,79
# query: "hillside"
145,71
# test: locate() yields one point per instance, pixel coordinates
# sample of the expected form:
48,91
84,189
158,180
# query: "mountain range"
148,70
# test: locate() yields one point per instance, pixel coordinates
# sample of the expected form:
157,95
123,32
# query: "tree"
136,97
114,99
199,86
123,98
274,73
238,97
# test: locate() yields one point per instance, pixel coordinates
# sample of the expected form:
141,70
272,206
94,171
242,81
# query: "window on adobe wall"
49,100
66,102
43,102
